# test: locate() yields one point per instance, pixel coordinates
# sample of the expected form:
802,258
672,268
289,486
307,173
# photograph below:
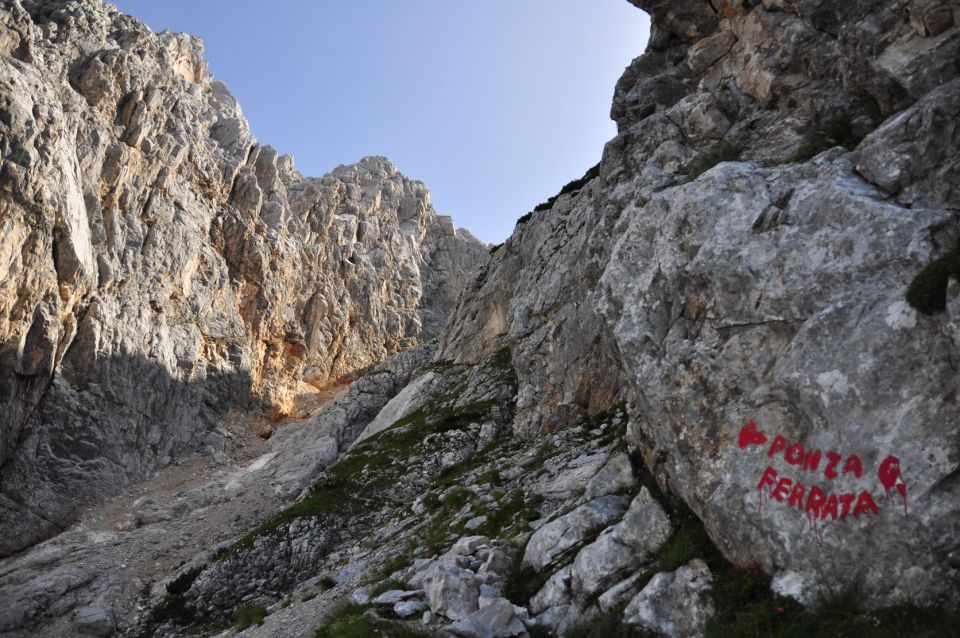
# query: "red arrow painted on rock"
750,435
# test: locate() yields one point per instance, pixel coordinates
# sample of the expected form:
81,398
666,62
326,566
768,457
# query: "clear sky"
495,104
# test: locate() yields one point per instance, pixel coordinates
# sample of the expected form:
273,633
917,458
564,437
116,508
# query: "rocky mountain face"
722,362
160,268
770,291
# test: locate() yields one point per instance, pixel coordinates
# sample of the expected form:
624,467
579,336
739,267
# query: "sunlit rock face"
710,294
159,267
728,287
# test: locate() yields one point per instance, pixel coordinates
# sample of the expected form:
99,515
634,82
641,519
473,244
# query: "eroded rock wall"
769,290
159,267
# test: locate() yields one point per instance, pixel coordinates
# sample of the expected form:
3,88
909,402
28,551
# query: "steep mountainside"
772,290
159,268
708,389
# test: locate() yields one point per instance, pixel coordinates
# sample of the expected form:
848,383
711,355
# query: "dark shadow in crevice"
96,427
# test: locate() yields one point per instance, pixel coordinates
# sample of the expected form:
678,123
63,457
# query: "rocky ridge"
711,293
160,268
657,408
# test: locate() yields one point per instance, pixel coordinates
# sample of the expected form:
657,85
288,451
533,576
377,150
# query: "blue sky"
495,104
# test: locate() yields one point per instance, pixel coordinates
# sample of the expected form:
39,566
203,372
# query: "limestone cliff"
159,267
771,290
723,361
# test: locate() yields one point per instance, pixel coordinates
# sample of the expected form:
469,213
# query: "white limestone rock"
675,604
571,529
622,548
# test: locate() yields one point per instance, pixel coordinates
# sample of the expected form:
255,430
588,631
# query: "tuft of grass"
440,366
809,150
746,608
838,130
522,582
326,583
246,617
544,452
385,586
720,152
393,565
607,625
431,501
928,290
456,498
351,621
512,513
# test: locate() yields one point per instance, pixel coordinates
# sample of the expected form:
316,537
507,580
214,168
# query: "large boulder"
809,426
497,620
675,604
452,591
571,530
620,549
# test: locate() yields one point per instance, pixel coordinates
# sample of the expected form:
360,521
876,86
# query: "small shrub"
721,152
182,583
456,498
492,477
570,187
928,290
539,631
431,501
174,610
809,150
174,607
326,583
246,617
522,582
838,130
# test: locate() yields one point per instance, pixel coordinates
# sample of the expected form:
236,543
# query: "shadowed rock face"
770,290
150,249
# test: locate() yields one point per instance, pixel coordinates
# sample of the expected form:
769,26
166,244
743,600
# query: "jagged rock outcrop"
770,291
726,290
158,266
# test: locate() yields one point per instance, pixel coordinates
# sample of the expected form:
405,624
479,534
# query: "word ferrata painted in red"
817,504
